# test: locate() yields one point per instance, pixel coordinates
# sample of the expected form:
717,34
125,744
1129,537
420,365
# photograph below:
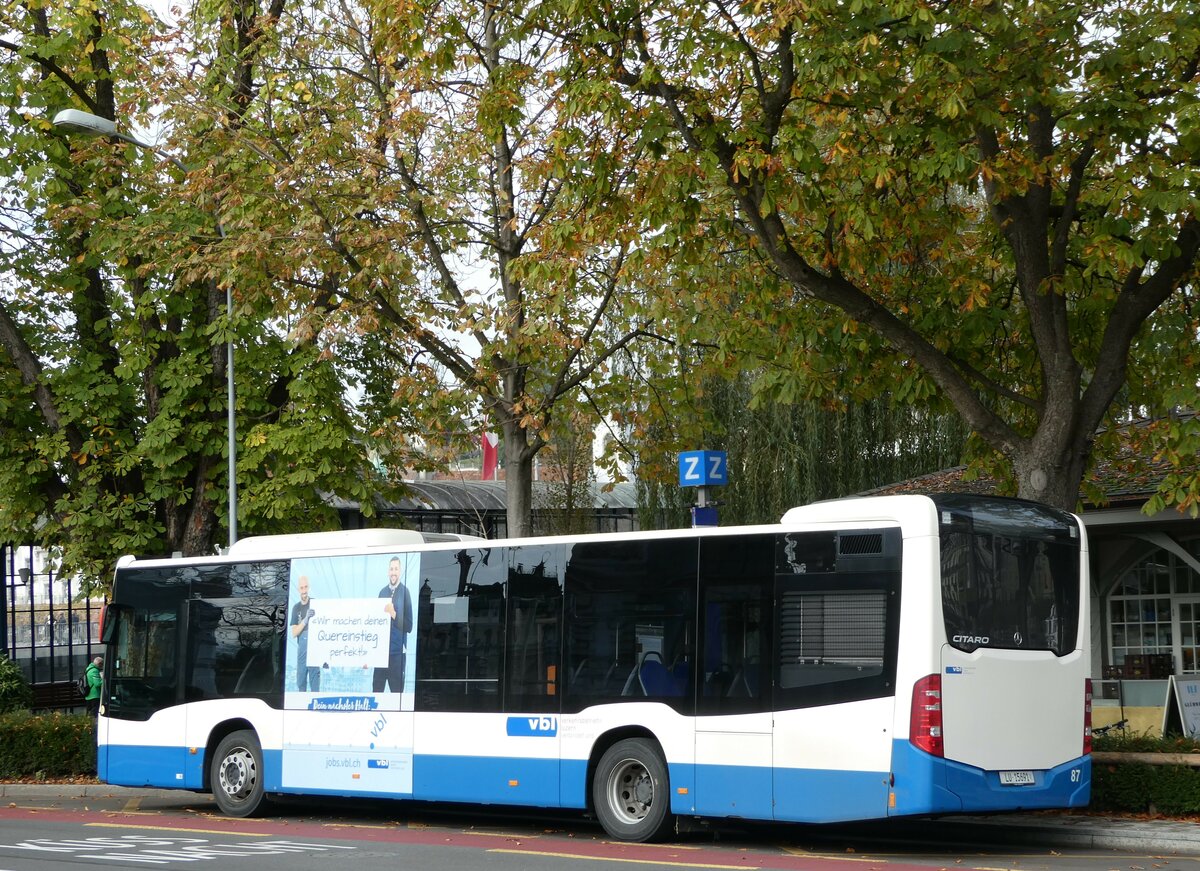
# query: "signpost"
1181,713
703,469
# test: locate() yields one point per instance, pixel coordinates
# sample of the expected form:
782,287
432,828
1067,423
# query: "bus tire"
237,774
631,791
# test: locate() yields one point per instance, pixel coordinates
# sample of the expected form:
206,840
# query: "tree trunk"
1049,467
518,480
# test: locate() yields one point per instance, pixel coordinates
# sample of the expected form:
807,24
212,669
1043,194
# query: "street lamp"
76,121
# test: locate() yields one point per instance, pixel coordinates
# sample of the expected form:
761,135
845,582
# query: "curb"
82,790
1087,832
1119,757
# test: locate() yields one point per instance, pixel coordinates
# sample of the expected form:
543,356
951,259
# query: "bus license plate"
1017,778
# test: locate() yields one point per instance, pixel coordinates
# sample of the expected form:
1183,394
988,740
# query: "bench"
57,696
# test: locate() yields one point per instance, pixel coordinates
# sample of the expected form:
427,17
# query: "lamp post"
86,123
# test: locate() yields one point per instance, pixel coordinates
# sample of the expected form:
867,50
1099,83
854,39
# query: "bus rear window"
1001,589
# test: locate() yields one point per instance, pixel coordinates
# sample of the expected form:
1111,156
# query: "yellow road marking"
809,854
680,864
889,857
181,829
132,805
654,846
518,835
133,813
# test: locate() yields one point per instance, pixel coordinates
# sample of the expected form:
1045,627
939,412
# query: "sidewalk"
1078,831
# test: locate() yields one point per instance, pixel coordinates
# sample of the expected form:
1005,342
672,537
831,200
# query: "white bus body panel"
1001,711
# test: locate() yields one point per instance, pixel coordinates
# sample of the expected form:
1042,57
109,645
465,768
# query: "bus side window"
535,603
630,606
461,626
234,633
735,590
837,627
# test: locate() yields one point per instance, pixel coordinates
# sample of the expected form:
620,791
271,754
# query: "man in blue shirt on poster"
399,609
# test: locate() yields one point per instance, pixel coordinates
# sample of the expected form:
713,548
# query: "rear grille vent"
869,543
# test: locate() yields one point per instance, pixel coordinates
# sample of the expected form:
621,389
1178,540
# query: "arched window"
1153,611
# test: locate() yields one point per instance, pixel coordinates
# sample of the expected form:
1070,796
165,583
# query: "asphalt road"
127,829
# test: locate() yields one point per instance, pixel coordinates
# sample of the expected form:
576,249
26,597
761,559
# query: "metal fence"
47,627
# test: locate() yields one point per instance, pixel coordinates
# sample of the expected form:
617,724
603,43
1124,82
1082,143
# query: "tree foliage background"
113,323
989,206
443,215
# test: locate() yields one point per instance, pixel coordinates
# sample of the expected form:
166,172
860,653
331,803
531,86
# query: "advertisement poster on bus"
350,672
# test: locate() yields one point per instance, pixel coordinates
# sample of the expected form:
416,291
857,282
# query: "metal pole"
5,592
231,408
233,534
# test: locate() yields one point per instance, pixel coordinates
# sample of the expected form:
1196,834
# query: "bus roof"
916,514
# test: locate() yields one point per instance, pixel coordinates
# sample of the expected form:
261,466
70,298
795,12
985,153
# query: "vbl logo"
532,726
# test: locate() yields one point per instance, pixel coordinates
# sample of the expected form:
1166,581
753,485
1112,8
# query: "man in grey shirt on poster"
307,679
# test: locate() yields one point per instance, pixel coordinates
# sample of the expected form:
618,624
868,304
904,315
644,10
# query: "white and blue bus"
863,658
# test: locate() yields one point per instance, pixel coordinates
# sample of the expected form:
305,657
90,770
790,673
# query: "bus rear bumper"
925,784
1065,786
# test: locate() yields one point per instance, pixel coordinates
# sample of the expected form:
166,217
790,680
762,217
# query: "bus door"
231,646
530,768
142,647
733,698
488,675
836,634
144,742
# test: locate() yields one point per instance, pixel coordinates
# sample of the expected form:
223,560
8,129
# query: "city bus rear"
1001,719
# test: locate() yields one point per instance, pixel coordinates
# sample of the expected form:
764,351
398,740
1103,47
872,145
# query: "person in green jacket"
95,680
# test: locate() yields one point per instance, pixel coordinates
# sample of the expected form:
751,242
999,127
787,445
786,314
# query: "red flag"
491,456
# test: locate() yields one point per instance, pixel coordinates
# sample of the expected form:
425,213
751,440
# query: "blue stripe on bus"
193,769
273,768
920,782
741,791
144,766
572,792
485,779
828,796
925,784
168,767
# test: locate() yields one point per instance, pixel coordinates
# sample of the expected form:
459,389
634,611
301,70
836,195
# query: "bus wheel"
237,774
630,791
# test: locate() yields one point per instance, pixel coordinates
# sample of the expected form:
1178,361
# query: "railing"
46,627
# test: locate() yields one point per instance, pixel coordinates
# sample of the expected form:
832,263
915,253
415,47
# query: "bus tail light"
925,719
1087,716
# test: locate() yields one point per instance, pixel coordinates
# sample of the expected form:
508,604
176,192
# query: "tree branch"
58,72
30,368
1136,302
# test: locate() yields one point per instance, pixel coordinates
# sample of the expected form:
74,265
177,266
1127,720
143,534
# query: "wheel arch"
606,740
218,734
